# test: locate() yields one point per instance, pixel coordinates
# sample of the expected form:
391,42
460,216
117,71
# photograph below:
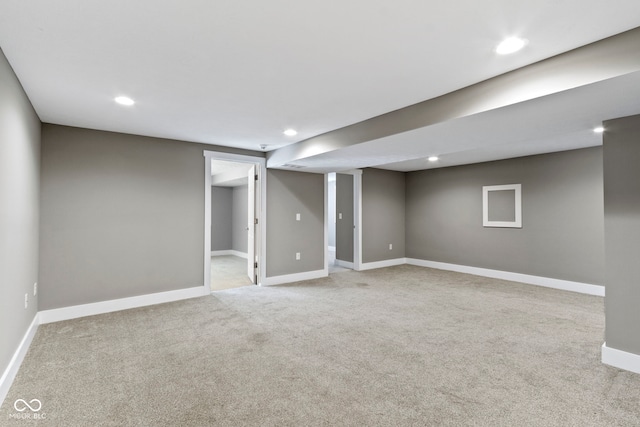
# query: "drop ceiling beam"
608,58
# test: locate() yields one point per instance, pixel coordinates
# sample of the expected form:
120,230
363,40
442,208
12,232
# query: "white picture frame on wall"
516,189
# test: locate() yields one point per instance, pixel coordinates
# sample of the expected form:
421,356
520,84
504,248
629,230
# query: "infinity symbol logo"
37,405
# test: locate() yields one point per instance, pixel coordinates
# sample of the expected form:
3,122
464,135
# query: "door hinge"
256,176
255,265
256,221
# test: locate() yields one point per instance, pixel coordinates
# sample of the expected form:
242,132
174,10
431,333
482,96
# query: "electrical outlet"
390,246
340,215
35,289
26,300
297,217
297,256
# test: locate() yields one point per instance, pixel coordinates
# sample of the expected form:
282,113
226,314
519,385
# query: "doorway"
344,221
231,205
234,213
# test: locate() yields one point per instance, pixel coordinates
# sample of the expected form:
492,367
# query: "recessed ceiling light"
510,45
124,100
290,132
599,129
433,159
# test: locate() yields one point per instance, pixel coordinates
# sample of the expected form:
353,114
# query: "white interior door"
251,227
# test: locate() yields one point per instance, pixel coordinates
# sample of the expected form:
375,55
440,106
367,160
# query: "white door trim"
261,211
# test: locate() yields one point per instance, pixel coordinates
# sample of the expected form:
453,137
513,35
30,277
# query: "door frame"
260,210
357,217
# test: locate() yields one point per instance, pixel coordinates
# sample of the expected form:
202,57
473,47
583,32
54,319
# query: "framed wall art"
502,206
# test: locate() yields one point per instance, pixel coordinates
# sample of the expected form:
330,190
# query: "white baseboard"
297,277
73,312
382,264
565,285
620,359
230,252
345,264
221,253
10,372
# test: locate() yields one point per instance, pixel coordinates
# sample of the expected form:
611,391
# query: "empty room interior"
319,213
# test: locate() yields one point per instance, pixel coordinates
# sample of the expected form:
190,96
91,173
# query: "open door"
251,225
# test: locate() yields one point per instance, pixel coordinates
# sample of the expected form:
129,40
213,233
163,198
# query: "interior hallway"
333,267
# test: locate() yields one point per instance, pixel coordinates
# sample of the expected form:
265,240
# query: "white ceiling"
237,73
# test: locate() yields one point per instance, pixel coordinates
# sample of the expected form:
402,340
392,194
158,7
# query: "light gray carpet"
401,346
228,271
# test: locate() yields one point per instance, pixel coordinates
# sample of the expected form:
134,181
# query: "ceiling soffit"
606,59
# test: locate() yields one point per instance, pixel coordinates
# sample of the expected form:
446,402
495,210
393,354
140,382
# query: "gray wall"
383,215
344,225
19,198
562,212
240,215
122,215
289,193
622,231
221,218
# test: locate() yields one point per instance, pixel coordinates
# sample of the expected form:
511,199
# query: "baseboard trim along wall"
382,264
620,359
76,311
296,277
345,264
221,253
565,285
14,365
230,252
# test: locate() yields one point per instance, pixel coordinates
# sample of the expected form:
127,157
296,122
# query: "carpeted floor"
400,346
228,271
